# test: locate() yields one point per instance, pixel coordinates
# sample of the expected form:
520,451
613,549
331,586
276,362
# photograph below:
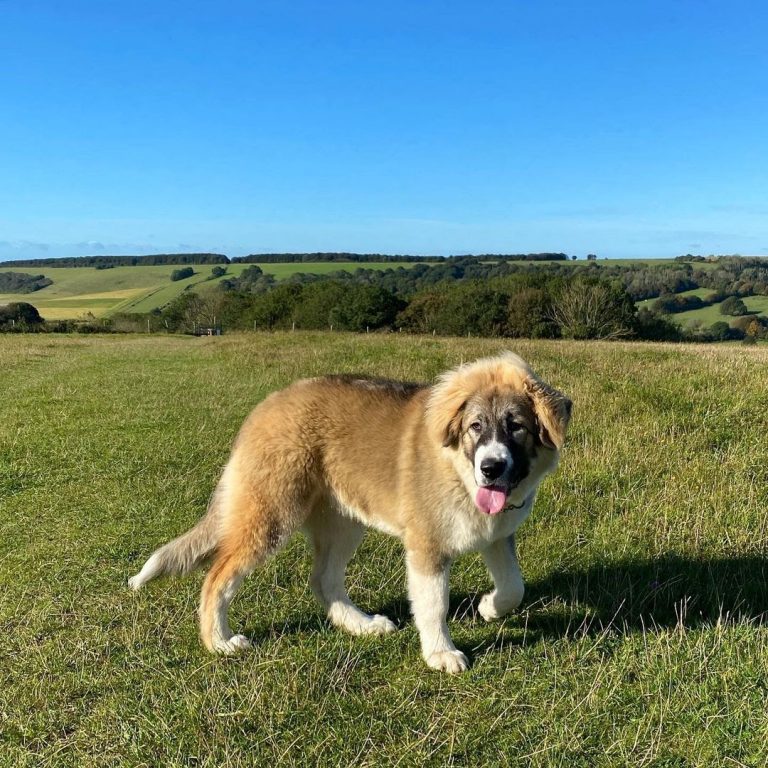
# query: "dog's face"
505,426
498,437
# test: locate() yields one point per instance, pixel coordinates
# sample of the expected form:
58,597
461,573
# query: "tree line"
532,304
343,257
105,262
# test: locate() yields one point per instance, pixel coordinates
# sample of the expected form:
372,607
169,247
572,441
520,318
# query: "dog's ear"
553,412
445,410
452,431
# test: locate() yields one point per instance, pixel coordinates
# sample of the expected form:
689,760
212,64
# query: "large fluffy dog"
448,468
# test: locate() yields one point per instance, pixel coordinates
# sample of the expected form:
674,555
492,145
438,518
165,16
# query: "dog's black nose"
492,468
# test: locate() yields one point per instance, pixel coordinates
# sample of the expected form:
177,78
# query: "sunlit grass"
641,640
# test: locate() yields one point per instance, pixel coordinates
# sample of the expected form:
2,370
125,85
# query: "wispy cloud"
23,245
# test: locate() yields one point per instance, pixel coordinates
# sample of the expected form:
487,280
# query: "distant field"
77,291
642,639
710,315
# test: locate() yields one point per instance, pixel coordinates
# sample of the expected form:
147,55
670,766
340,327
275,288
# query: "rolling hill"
79,291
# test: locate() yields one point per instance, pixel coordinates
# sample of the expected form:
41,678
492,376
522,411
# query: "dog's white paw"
487,608
235,644
378,625
492,607
452,662
134,582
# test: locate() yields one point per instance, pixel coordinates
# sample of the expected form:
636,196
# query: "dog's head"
504,426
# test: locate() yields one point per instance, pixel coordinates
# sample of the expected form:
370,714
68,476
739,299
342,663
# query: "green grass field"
710,315
641,641
77,291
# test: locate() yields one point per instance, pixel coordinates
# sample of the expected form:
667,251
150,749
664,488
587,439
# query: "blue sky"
624,129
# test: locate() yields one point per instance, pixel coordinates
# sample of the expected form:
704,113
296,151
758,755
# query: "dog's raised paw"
235,644
487,607
380,625
452,662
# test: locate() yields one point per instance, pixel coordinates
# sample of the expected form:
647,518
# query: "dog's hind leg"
223,580
255,530
334,540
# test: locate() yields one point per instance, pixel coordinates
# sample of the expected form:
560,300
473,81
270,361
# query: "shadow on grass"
626,595
634,596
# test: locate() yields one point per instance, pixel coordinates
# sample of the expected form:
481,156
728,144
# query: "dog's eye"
515,428
476,426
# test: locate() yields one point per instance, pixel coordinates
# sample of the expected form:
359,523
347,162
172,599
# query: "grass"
709,315
641,641
78,291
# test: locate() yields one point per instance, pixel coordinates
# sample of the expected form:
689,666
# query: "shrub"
733,305
19,316
182,274
21,282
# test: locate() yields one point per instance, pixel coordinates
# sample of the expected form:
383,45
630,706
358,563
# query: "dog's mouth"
491,498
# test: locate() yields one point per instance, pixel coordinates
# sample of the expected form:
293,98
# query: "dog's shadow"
625,596
629,596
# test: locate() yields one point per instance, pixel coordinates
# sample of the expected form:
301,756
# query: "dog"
448,468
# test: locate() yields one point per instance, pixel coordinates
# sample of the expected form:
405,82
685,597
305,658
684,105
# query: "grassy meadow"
710,315
642,639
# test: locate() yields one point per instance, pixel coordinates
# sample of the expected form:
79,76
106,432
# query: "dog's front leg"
501,559
428,592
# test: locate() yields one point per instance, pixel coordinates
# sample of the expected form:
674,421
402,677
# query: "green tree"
19,315
720,331
275,308
529,314
317,300
594,309
364,307
182,274
734,306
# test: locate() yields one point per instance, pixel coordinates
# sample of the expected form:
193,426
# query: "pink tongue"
490,500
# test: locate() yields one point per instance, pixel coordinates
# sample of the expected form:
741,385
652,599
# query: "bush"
19,316
654,327
21,282
720,331
594,309
182,274
733,305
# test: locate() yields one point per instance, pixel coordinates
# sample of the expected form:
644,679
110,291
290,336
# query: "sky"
422,127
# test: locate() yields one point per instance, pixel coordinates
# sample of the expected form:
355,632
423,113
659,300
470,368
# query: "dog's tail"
187,552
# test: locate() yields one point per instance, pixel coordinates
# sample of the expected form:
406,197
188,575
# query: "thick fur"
335,454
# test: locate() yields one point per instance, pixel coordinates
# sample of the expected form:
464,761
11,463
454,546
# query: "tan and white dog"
448,468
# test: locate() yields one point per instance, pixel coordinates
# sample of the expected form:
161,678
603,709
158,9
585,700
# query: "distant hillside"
78,291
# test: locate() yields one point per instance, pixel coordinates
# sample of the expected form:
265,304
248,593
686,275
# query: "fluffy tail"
185,553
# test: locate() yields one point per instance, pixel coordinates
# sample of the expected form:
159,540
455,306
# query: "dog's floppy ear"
553,412
445,409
